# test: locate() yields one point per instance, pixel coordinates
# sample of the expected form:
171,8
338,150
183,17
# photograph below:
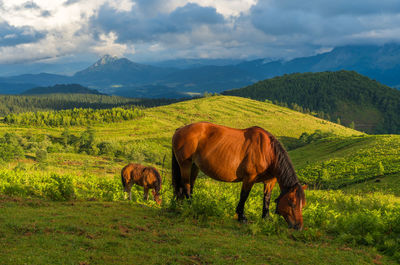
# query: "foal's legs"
146,193
268,186
244,193
128,190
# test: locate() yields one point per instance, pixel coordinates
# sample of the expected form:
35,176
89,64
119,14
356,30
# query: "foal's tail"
123,173
176,177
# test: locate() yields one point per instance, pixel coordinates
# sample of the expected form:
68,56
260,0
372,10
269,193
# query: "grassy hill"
347,95
72,199
148,137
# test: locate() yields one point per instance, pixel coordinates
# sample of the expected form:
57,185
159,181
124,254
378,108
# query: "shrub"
41,155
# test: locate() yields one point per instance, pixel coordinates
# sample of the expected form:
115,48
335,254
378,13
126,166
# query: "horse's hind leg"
193,175
244,194
268,186
186,172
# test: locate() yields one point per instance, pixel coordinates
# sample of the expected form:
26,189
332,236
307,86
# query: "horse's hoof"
242,219
266,217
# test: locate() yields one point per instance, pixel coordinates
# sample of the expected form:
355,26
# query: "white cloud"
108,45
158,29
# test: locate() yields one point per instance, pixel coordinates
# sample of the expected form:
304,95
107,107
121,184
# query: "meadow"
61,190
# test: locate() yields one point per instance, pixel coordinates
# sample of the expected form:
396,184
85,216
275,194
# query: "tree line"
18,104
73,117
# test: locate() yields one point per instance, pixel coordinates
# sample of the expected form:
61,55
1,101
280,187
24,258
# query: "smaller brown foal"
147,177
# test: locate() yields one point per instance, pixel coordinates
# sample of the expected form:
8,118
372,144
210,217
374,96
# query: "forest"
343,95
18,103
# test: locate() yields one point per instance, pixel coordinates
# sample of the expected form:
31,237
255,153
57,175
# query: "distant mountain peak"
106,59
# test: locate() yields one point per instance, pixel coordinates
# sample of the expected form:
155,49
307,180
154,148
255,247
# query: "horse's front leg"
268,186
244,194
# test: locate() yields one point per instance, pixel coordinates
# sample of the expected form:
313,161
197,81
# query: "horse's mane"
287,176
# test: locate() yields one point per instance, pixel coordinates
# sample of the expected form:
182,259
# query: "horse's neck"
286,180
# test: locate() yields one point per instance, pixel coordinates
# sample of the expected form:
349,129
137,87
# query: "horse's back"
221,152
133,172
151,176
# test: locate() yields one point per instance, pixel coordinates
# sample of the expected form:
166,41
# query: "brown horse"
147,177
249,155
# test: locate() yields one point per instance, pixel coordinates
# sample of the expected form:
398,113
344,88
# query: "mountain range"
61,89
177,78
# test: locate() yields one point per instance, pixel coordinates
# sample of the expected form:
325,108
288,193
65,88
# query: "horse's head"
290,205
156,196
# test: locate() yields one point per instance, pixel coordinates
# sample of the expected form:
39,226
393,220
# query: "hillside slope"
149,137
346,95
160,122
340,228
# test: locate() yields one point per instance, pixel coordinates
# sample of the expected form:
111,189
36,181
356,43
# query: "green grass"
332,217
353,226
387,184
337,162
41,232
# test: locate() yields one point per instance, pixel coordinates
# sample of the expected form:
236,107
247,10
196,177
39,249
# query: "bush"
50,186
41,156
106,148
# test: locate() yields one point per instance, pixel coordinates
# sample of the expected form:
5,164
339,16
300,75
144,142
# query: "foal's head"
154,178
290,205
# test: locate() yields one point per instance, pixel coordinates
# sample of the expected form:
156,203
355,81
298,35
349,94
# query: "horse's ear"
305,187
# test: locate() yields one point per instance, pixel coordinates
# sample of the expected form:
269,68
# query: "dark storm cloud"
10,35
138,25
325,22
337,7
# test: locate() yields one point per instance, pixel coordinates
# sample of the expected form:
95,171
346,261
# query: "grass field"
41,232
70,208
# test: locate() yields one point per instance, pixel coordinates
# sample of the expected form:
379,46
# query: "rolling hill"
347,95
59,210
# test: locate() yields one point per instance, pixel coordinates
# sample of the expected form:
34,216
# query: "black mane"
287,176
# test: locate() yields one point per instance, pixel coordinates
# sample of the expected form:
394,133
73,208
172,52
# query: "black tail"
176,177
122,178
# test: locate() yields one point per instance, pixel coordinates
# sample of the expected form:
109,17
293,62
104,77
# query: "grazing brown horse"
249,155
147,177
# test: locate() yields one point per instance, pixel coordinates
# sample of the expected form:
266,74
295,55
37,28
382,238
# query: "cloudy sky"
152,30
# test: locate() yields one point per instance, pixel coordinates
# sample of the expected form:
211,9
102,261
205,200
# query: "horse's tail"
176,177
123,173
